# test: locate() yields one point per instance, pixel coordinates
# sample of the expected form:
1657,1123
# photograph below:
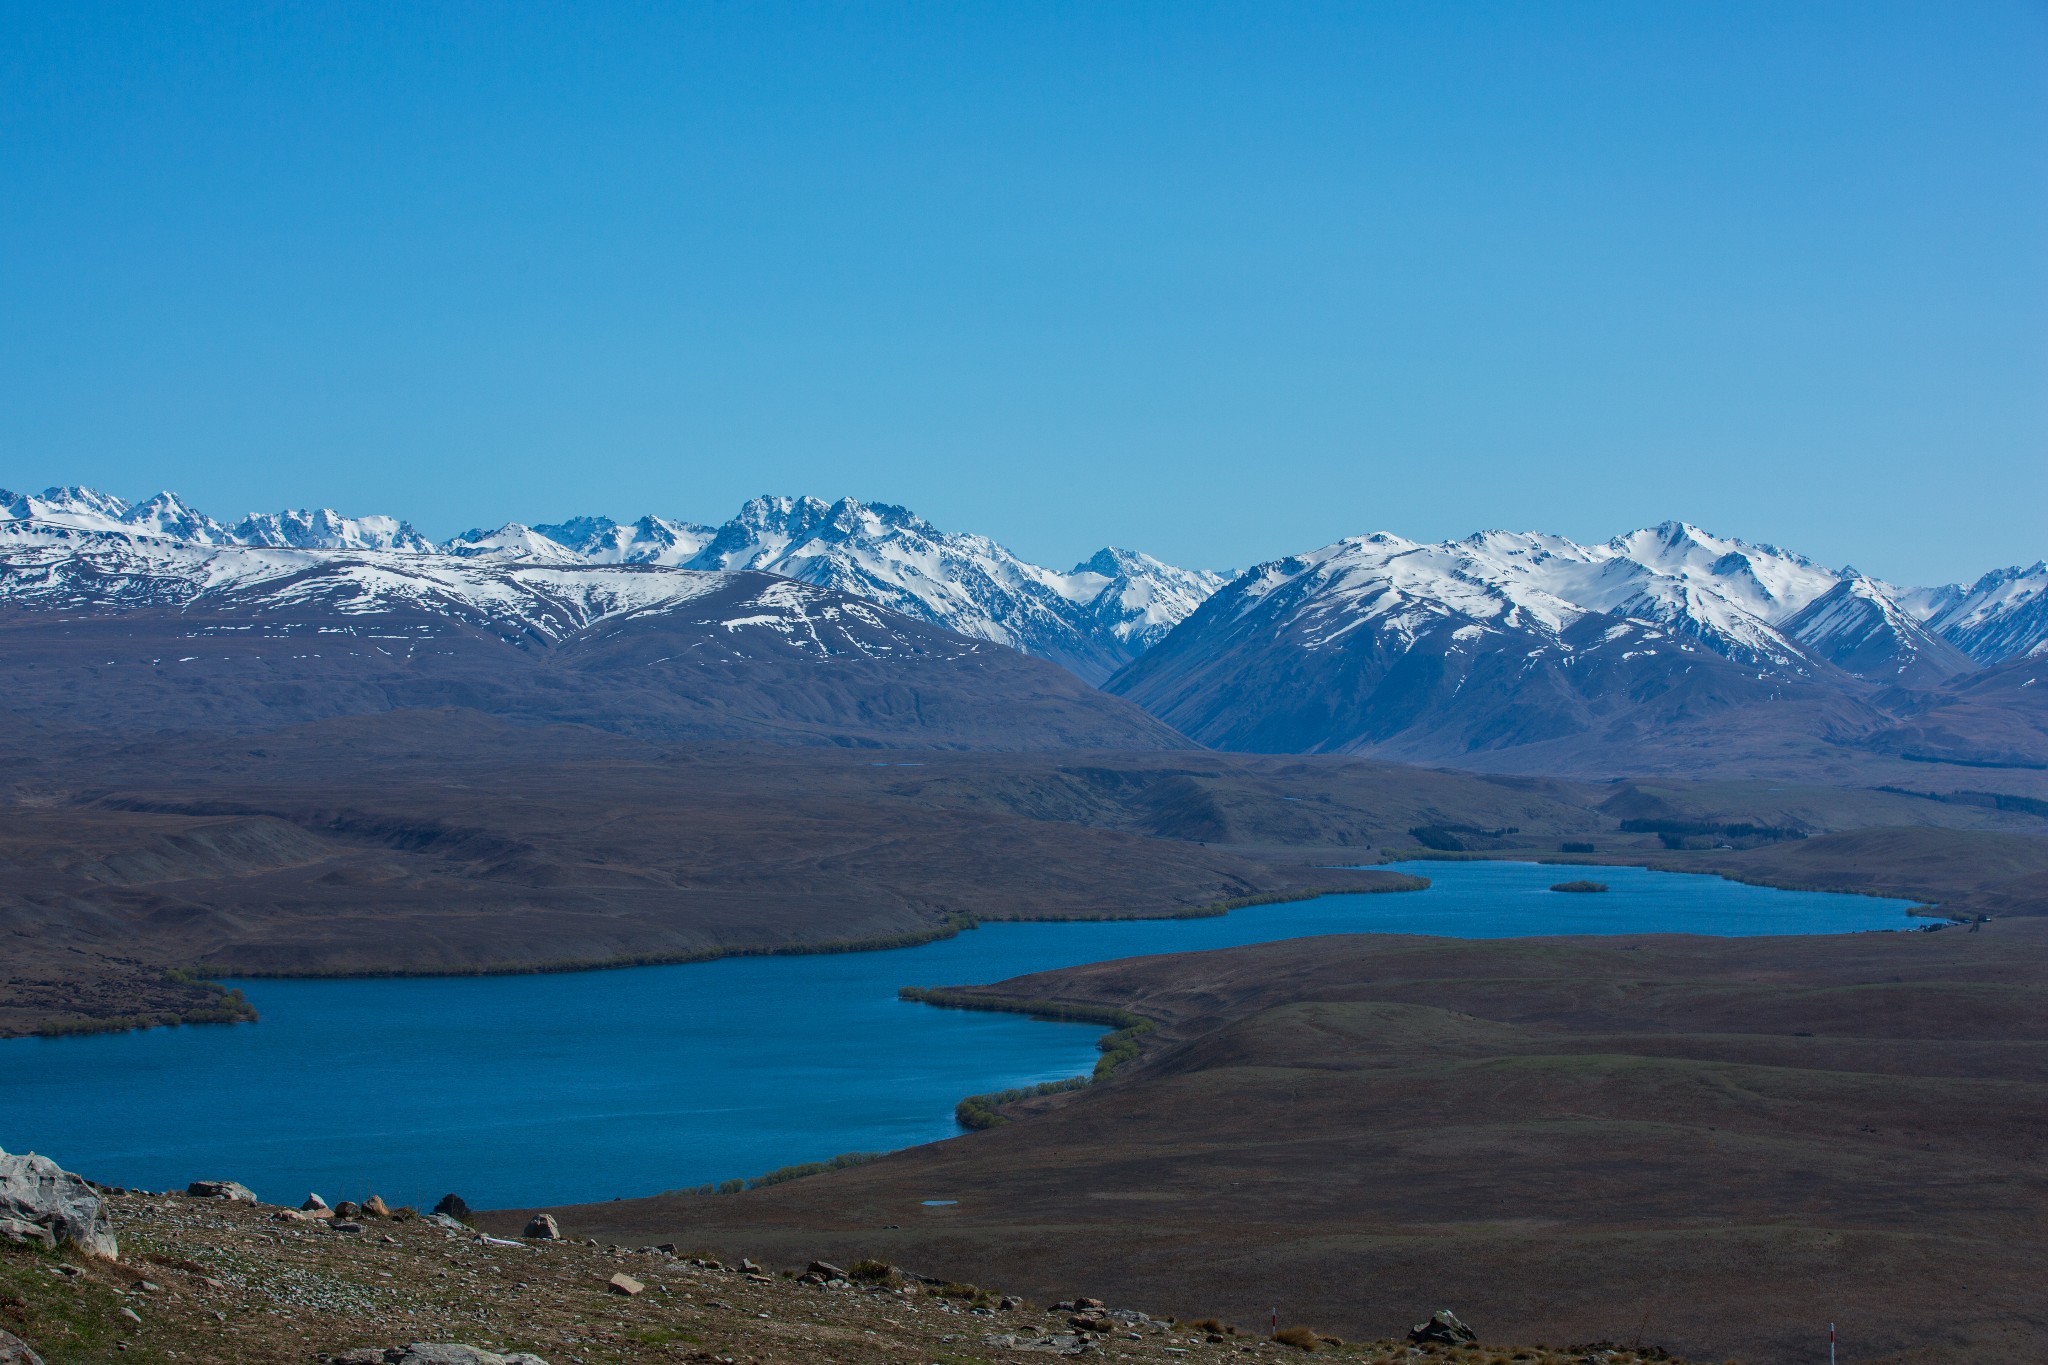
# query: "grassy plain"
1715,1145
445,841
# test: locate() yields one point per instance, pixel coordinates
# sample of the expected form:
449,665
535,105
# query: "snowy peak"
1092,620
650,540
83,508
968,584
510,541
169,515
327,529
2003,615
1135,598
1663,577
1764,581
1858,627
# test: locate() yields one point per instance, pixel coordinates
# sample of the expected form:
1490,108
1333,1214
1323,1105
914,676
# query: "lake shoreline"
954,924
752,1062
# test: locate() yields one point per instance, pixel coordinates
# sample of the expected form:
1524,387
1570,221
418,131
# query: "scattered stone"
315,1204
1010,1303
1056,1343
376,1207
747,1267
344,1226
1089,1303
826,1270
15,1351
44,1204
542,1228
453,1206
221,1189
348,1208
291,1216
132,1316
430,1353
1444,1328
623,1283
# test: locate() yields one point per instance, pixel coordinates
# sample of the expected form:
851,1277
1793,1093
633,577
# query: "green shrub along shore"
215,1004
979,1111
783,1174
1118,1047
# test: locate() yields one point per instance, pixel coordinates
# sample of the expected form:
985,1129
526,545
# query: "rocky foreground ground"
224,1282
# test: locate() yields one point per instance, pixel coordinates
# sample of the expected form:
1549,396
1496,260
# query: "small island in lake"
1580,886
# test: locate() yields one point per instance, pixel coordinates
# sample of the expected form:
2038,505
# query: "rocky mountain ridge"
1666,646
1093,619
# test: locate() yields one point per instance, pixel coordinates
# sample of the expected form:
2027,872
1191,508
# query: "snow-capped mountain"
71,569
1859,627
1093,619
169,516
121,626
2003,615
1730,597
1504,640
1495,642
326,529
650,540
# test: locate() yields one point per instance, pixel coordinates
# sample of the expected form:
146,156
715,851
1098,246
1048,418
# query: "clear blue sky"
1215,281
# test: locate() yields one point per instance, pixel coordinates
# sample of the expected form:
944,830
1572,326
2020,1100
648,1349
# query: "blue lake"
587,1086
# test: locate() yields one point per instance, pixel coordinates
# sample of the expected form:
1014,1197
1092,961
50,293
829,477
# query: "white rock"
41,1202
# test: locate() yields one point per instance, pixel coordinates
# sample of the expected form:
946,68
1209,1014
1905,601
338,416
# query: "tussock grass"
871,1271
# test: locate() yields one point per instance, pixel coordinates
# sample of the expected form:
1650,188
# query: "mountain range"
1092,619
1666,646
